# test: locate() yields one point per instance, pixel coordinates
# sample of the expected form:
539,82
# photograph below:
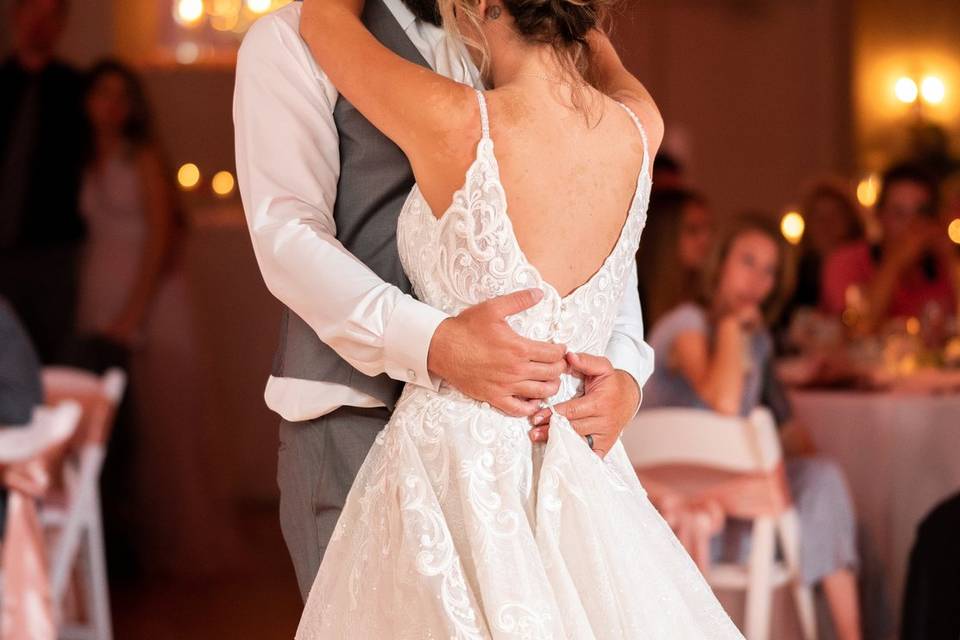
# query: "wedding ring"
589,438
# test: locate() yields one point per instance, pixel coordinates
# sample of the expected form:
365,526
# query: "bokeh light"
188,176
953,230
187,52
933,90
188,12
259,6
792,226
868,189
906,90
223,183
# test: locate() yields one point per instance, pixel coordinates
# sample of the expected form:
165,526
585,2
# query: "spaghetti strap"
643,136
484,118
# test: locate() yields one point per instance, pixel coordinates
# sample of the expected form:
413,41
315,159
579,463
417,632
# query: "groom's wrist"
407,339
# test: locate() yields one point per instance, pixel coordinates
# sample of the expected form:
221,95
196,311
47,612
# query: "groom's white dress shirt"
288,165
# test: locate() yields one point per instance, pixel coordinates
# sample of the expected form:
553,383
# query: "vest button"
411,375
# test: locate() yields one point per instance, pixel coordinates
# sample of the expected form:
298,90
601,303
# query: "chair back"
98,396
696,437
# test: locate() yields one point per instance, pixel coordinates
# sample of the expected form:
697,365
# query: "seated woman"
715,354
913,266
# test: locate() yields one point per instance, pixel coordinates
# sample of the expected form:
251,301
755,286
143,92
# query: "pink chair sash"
27,610
695,501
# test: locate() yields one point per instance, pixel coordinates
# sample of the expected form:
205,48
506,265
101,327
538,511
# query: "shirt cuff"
624,355
406,342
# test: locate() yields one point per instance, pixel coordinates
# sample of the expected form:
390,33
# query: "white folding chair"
76,522
701,438
49,428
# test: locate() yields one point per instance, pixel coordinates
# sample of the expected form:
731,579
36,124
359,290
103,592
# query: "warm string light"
223,183
792,226
188,176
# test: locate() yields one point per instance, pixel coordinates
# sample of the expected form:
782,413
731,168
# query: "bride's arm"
412,105
616,81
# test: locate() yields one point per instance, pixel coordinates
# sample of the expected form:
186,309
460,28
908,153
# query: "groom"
322,189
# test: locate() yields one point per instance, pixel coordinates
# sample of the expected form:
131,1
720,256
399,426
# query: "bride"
457,525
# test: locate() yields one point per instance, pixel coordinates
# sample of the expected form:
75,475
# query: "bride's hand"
609,401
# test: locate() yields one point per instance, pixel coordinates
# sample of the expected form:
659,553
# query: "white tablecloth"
901,455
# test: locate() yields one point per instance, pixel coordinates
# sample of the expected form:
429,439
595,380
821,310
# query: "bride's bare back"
568,182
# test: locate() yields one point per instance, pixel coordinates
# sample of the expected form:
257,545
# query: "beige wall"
754,93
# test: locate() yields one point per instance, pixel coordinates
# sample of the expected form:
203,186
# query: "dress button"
484,405
411,375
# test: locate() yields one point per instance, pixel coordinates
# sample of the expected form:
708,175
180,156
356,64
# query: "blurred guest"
667,172
41,134
127,200
128,203
930,610
20,386
715,354
913,267
832,220
678,233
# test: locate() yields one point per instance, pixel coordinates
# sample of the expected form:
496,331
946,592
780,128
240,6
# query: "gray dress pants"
317,464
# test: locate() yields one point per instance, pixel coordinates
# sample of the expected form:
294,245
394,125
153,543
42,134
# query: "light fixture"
188,176
933,90
906,90
792,226
223,183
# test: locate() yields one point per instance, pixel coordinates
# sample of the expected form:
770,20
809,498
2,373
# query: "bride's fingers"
516,407
596,427
541,417
578,408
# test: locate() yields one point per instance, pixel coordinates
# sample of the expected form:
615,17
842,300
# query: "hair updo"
562,24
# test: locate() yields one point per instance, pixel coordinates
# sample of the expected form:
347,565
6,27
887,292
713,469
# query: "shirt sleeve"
627,349
288,166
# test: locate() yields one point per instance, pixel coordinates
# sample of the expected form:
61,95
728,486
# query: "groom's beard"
426,10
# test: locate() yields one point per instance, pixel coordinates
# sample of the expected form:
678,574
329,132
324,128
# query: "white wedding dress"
458,527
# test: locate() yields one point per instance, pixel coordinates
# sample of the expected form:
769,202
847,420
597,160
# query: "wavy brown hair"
752,222
564,25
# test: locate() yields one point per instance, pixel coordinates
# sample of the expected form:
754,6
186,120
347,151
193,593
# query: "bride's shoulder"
648,113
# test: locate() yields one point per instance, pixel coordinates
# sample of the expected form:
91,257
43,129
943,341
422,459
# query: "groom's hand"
609,401
479,354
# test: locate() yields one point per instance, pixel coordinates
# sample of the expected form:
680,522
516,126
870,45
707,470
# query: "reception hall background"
760,98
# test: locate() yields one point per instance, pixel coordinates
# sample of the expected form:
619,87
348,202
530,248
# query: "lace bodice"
471,254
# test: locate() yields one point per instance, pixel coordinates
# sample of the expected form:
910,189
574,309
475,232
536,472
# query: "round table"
901,456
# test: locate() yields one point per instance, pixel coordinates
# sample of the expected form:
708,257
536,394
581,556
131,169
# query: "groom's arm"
288,165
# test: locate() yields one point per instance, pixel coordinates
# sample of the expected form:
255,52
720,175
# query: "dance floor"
259,601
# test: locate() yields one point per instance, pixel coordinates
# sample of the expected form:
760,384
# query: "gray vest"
375,179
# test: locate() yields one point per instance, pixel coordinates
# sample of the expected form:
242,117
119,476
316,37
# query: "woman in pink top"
915,263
